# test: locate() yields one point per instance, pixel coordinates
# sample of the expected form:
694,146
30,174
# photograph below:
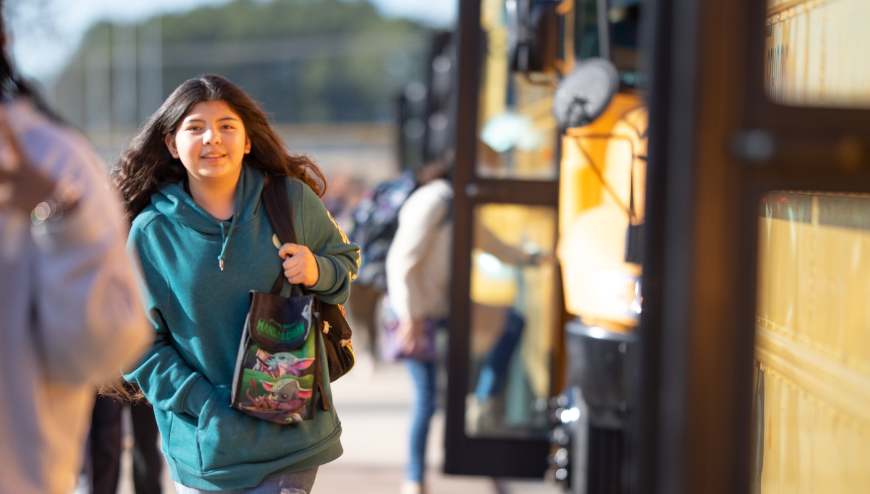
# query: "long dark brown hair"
147,165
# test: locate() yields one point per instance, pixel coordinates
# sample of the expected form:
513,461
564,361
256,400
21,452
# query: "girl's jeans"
423,375
289,483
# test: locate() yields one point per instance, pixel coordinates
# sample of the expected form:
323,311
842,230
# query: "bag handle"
278,206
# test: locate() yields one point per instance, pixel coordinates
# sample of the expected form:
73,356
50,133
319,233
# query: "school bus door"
507,307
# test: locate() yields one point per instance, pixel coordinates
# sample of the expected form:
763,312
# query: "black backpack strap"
280,214
279,210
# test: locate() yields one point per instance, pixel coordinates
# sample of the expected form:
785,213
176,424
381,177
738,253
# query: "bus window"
586,29
811,413
516,128
619,38
624,17
512,295
815,53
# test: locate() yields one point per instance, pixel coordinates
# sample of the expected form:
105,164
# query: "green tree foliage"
248,19
305,60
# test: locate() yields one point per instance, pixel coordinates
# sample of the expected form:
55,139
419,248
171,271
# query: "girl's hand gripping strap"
280,213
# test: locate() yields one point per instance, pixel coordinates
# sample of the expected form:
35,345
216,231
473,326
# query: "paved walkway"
373,406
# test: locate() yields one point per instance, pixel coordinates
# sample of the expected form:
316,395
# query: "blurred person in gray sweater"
70,314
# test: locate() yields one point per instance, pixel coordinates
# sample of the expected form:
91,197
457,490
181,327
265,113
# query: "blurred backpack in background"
375,221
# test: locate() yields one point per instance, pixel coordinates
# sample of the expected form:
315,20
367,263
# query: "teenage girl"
191,182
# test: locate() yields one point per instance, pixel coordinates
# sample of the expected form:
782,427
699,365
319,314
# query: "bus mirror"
533,35
585,93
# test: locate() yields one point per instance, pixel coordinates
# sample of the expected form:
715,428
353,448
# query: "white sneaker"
411,487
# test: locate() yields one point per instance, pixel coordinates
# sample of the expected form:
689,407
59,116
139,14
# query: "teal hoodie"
198,312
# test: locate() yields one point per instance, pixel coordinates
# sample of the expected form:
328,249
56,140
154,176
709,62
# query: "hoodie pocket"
181,440
228,437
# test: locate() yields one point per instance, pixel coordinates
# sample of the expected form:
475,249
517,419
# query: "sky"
45,33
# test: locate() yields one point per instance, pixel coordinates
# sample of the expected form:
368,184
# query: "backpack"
376,219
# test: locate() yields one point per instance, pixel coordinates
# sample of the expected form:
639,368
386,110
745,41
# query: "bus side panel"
813,342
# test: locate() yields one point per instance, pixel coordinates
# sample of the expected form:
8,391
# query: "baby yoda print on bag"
277,371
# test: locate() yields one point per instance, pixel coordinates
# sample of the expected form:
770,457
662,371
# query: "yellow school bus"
812,347
760,103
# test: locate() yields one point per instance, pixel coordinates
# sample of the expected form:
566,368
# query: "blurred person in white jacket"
419,268
418,277
70,313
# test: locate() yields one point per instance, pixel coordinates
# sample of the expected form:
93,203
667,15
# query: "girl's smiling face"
210,142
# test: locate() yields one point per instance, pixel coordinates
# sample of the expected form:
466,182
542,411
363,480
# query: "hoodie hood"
173,202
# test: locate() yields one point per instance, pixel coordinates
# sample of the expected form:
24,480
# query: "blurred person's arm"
89,321
489,242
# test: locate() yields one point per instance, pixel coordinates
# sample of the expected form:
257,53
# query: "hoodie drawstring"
222,257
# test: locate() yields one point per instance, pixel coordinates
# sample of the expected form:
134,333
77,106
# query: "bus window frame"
802,135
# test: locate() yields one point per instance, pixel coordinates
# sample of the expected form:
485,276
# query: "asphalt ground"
373,402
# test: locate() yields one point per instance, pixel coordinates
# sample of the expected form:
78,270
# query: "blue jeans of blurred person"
493,375
423,376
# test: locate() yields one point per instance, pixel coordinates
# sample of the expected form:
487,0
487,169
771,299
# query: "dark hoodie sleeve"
164,377
337,258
